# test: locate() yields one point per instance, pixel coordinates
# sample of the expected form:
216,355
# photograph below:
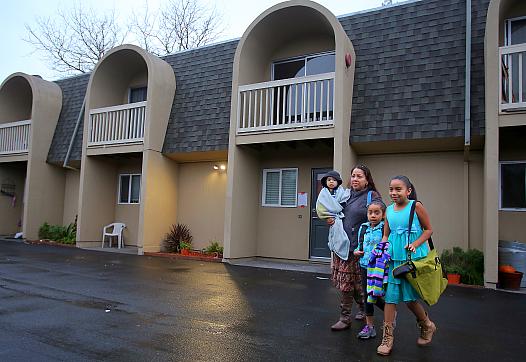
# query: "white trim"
500,186
118,107
14,124
264,187
282,82
129,189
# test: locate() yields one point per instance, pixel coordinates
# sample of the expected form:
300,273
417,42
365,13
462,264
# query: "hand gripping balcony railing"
512,79
117,125
286,104
14,137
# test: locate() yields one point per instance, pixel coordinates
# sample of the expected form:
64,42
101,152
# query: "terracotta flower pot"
185,252
453,278
510,280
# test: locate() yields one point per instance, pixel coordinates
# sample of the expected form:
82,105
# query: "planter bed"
50,242
194,255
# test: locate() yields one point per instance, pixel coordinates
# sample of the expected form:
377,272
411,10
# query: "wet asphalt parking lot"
69,304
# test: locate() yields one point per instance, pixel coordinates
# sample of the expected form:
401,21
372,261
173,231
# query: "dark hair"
378,203
368,177
408,184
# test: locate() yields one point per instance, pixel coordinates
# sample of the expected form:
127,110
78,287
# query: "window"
280,187
513,185
129,189
301,99
138,94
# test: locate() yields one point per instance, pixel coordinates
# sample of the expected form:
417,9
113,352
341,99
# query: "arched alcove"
16,100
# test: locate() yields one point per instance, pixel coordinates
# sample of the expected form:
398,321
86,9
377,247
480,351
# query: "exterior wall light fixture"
220,167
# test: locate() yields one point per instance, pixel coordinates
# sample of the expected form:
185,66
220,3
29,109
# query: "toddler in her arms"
330,204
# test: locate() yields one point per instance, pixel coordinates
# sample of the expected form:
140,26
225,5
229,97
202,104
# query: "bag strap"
411,218
361,237
369,198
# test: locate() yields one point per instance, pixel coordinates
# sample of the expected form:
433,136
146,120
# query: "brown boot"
427,329
345,313
385,348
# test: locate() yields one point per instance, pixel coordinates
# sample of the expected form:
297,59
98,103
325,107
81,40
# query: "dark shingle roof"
409,81
73,91
410,69
200,116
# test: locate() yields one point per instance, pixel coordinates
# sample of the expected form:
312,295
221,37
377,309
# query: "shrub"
58,233
214,247
178,237
469,264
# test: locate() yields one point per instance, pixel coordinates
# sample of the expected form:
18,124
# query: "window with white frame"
129,188
513,185
280,187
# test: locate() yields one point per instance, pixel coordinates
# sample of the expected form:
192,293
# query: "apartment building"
144,140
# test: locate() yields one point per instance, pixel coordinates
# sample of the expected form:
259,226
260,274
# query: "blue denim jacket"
373,235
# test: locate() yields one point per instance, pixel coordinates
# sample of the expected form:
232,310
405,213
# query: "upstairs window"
513,185
303,66
138,94
515,31
280,187
129,188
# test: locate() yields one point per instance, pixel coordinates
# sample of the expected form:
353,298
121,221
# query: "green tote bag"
426,275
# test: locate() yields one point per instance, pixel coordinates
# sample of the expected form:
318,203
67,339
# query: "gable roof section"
200,117
73,91
409,81
410,70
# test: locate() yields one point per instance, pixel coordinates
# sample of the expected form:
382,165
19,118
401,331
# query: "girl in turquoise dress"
403,194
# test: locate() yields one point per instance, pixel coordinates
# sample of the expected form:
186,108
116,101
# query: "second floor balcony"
287,104
14,137
117,125
512,87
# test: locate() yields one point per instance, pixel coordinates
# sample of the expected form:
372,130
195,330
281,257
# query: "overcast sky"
18,56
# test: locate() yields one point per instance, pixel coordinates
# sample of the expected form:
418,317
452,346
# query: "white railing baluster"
286,103
117,125
520,78
14,137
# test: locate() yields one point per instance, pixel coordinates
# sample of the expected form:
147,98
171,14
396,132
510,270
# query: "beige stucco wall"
10,216
158,200
26,97
201,201
284,232
511,226
71,196
281,31
97,198
439,182
121,68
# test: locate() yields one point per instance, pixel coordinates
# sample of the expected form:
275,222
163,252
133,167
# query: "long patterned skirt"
346,274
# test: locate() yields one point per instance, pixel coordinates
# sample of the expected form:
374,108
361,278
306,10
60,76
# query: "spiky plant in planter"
178,237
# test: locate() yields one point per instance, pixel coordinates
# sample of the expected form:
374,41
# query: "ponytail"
409,185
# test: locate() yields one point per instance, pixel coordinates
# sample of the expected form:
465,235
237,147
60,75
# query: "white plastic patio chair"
117,228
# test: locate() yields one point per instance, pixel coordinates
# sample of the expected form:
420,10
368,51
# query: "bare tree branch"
180,24
76,39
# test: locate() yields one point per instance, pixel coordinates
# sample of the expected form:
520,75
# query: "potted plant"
178,236
214,248
463,266
509,277
185,247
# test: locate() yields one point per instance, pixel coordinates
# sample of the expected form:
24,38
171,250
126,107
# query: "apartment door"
319,230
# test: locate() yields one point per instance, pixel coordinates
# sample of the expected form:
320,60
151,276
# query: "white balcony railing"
512,87
117,125
14,137
286,104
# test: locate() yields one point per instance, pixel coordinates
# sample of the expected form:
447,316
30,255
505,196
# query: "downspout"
79,118
467,122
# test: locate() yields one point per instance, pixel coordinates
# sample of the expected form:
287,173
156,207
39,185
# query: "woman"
346,274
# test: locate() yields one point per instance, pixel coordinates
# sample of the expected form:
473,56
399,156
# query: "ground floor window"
280,187
513,185
129,188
